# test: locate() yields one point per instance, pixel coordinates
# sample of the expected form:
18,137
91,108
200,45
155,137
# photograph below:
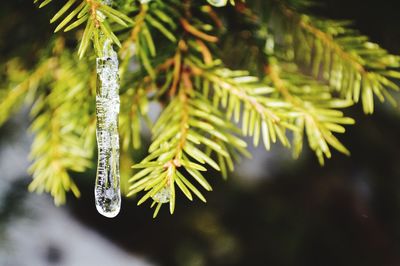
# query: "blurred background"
272,211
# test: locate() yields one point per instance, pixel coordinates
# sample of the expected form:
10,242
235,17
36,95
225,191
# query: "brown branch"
93,12
272,71
207,56
195,32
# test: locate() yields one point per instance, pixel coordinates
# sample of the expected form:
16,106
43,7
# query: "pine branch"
55,153
62,137
140,47
352,65
245,99
134,106
186,126
314,68
159,19
192,130
185,136
63,140
92,12
313,109
23,85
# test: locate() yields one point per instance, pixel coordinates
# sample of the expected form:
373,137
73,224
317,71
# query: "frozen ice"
163,195
107,2
107,187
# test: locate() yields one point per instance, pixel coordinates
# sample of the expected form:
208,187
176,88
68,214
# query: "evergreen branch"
134,106
262,116
141,41
305,98
169,151
25,90
93,13
314,111
61,139
352,65
54,153
169,56
186,135
177,147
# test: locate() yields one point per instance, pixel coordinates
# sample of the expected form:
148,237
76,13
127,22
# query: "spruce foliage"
259,70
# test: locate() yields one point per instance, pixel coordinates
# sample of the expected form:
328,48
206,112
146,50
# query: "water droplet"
218,3
163,195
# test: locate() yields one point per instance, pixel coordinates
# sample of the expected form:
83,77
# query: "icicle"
107,188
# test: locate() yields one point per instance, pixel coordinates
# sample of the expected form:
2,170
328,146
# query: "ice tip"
108,213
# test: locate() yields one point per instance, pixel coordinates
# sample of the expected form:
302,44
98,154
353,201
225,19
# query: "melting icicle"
107,188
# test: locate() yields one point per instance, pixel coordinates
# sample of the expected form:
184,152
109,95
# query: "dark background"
346,213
